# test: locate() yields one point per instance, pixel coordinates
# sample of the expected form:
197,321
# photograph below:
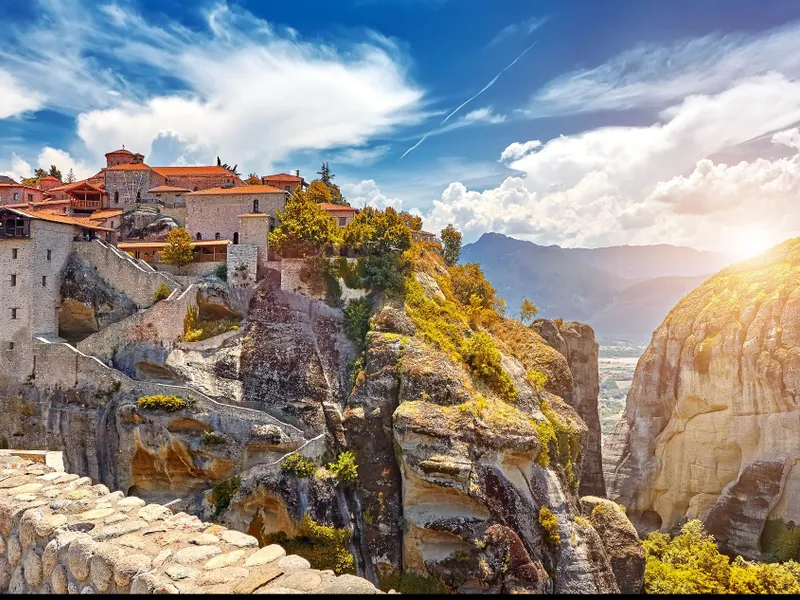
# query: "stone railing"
62,535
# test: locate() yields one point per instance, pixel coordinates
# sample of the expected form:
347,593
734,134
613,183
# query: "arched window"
235,237
116,197
255,206
216,236
138,196
199,236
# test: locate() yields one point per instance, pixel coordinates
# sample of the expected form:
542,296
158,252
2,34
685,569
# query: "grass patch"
298,465
160,402
412,583
162,293
222,494
549,524
344,468
324,547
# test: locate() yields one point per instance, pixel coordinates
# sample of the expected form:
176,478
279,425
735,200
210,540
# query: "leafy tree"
227,166
39,173
376,232
451,244
178,251
54,172
483,357
318,192
414,222
253,179
305,228
30,181
336,195
468,281
325,175
70,177
527,311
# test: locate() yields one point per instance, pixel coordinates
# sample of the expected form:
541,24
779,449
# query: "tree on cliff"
326,176
305,228
318,192
178,251
414,222
55,172
376,232
528,311
253,179
451,244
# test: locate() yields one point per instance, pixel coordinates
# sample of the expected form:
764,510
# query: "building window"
10,345
13,280
14,313
342,221
235,237
178,199
255,206
112,224
49,255
16,196
116,197
138,196
14,252
288,188
44,280
199,236
216,236
30,197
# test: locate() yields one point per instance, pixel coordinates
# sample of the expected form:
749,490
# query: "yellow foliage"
549,523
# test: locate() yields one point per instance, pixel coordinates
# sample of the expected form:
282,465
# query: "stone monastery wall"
60,534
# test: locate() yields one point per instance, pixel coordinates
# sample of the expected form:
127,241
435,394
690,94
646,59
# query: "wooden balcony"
86,204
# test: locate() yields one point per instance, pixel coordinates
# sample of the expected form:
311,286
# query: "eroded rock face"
146,223
710,427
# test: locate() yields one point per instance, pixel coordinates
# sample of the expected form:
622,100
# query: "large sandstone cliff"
711,424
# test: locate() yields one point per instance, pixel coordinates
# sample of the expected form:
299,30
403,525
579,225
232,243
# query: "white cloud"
789,137
18,169
367,193
14,98
617,185
253,93
361,156
526,27
482,115
652,75
64,161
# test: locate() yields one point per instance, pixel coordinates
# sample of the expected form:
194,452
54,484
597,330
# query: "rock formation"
710,426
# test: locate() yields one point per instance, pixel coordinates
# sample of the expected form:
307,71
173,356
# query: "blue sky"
620,121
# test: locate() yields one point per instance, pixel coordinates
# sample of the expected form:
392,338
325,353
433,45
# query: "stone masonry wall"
209,215
160,325
242,265
123,273
59,534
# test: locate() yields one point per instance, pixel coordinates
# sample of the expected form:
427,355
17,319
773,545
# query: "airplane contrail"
486,87
491,83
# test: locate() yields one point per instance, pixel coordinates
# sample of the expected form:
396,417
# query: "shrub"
162,293
537,379
483,357
324,547
178,251
568,443
191,331
345,468
356,321
467,281
165,403
549,524
451,243
386,272
212,438
222,494
221,272
299,465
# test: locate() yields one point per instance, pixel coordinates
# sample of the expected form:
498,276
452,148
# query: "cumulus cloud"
247,90
656,75
367,193
18,169
64,161
14,98
616,185
789,137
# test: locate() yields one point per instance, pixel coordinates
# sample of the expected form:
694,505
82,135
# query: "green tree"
54,172
527,311
375,232
305,229
232,169
253,179
451,244
70,177
467,281
414,222
178,251
318,192
325,175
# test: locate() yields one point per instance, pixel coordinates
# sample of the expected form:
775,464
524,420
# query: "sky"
578,123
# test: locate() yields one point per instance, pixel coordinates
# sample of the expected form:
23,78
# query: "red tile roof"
238,189
336,207
173,171
120,151
84,222
167,188
130,167
102,215
50,178
282,177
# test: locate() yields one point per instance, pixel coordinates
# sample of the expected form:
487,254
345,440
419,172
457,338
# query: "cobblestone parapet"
61,534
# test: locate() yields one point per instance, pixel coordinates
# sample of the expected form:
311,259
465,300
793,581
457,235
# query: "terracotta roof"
7,179
336,207
239,189
130,167
84,222
50,178
167,188
16,185
137,245
99,215
282,177
173,171
253,215
120,151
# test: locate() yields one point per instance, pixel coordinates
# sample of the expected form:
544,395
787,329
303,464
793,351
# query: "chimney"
297,173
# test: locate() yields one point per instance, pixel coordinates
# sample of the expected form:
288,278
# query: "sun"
751,243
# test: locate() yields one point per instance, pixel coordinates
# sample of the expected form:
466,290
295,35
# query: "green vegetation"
298,465
527,311
568,443
162,293
356,322
352,273
781,541
212,438
178,251
165,403
221,272
483,357
305,228
222,494
197,327
406,582
374,232
690,563
345,468
324,547
549,524
537,379
451,245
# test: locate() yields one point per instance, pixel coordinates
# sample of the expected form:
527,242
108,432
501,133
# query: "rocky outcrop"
577,343
146,223
88,304
709,429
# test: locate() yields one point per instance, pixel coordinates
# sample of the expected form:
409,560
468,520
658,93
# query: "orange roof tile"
282,177
50,178
167,188
138,245
120,151
238,189
102,215
63,219
173,171
130,167
336,207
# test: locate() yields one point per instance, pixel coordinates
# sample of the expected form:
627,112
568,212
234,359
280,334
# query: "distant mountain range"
623,292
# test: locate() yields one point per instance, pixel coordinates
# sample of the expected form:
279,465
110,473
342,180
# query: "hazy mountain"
621,291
